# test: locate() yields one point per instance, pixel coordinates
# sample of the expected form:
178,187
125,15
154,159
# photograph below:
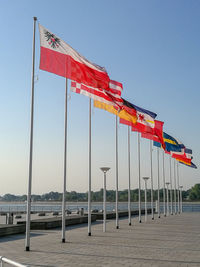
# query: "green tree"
194,193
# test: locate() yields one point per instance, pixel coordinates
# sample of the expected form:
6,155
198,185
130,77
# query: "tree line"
192,194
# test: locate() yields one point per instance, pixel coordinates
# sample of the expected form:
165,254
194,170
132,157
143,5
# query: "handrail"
14,263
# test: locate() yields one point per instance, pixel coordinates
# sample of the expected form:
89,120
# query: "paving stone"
168,241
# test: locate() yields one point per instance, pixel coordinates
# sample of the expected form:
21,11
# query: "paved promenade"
168,241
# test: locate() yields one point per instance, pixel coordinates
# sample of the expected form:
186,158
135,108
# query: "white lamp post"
104,170
145,183
167,184
181,201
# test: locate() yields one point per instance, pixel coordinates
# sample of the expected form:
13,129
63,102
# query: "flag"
172,144
146,123
184,156
150,137
156,134
192,165
157,144
58,57
110,96
145,118
139,109
121,113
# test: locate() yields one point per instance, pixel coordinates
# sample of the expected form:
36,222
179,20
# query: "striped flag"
184,156
146,123
58,57
192,165
121,113
145,118
110,96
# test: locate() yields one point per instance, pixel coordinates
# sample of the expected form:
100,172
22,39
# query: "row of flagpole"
27,241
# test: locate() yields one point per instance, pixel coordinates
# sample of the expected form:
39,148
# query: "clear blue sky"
151,46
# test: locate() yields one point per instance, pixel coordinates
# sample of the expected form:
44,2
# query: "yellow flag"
123,114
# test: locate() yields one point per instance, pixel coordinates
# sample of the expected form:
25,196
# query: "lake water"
51,207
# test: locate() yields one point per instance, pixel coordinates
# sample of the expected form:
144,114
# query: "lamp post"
145,194
104,170
181,201
167,184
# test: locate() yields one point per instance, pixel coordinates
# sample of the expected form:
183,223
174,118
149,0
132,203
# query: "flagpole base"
27,248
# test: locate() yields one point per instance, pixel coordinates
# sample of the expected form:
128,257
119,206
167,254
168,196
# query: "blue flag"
172,144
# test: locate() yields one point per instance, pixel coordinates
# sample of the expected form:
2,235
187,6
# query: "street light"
145,194
181,201
104,170
167,184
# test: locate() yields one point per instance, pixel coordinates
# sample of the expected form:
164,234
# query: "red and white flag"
110,96
156,134
184,156
60,58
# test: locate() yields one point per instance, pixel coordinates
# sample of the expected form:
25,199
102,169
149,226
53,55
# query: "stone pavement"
168,241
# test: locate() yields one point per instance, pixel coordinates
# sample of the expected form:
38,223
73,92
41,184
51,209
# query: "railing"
14,263
16,208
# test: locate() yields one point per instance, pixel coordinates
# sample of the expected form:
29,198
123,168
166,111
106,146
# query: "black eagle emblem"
53,41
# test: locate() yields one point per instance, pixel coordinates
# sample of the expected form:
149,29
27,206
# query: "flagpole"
181,199
158,184
174,186
164,208
116,207
181,196
65,166
139,183
151,167
170,173
129,178
89,182
28,215
178,191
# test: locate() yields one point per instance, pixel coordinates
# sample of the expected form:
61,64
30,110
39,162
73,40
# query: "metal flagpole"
65,167
178,191
167,184
28,216
139,182
164,207
145,196
116,204
151,166
170,174
129,178
181,200
158,184
174,186
89,182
